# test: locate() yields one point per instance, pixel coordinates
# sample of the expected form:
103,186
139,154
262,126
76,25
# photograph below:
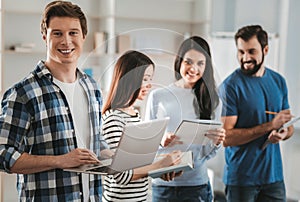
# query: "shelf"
21,52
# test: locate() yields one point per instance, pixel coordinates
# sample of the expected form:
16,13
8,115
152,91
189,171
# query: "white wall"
291,66
228,15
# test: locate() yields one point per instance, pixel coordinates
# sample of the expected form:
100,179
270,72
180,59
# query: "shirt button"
67,108
80,193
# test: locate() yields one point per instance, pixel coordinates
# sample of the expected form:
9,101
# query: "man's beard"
255,69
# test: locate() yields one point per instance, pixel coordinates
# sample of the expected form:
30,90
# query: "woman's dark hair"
127,80
62,9
205,88
250,31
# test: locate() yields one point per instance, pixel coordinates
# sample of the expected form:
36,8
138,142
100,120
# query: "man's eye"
57,33
73,33
252,52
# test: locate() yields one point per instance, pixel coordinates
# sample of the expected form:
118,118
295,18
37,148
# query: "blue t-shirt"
248,98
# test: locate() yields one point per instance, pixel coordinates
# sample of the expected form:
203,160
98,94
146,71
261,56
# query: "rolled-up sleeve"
14,124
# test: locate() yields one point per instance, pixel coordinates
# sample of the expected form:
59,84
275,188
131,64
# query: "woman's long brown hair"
126,80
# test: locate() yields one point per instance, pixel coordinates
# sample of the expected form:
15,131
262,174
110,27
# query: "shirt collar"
41,70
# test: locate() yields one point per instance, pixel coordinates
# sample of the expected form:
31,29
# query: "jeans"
201,193
274,192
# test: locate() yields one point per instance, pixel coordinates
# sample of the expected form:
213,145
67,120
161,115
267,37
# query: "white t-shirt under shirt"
78,104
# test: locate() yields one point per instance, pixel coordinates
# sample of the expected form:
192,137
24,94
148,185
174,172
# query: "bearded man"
254,172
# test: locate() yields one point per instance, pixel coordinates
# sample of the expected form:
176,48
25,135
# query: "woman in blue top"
192,96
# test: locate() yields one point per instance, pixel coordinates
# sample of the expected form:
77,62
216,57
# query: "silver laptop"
137,147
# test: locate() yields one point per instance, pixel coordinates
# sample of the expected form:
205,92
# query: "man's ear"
266,49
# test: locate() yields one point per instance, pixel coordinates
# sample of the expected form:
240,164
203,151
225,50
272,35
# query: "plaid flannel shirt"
36,119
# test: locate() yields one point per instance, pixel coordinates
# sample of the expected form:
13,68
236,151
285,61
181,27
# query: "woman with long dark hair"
192,96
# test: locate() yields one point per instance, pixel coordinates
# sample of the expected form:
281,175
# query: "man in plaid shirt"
51,120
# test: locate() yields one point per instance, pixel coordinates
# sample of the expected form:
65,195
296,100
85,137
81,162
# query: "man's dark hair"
62,9
249,31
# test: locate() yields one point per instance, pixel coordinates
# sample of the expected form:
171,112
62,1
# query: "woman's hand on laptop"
170,159
106,154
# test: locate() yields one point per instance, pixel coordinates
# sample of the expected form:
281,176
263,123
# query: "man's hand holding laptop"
77,157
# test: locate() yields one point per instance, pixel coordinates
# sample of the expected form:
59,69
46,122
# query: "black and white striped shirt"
119,187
